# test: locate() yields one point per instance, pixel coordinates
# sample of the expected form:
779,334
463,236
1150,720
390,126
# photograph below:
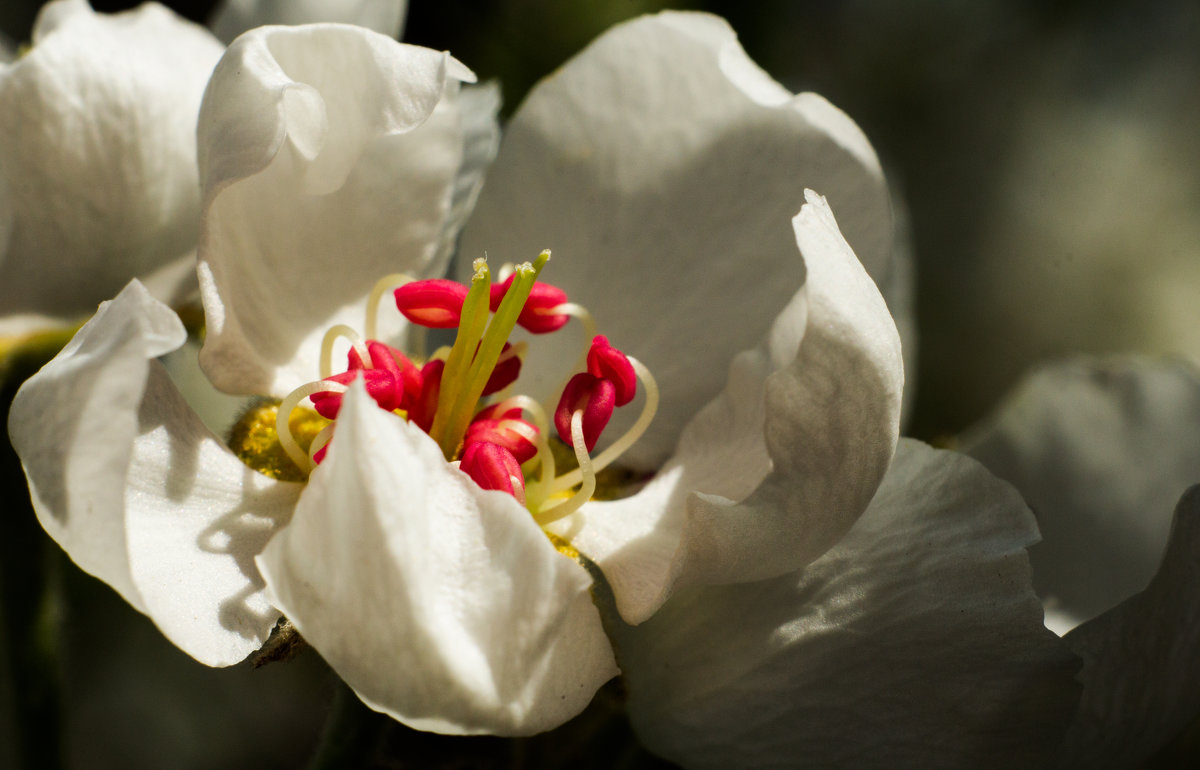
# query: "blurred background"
1048,157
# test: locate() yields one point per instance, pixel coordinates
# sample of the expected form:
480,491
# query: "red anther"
506,433
423,408
603,360
535,316
383,386
494,467
387,358
435,303
498,412
497,291
320,454
506,372
596,397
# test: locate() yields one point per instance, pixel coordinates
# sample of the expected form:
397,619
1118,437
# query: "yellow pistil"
477,348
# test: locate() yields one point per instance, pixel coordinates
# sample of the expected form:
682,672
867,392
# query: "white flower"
1103,450
663,167
98,178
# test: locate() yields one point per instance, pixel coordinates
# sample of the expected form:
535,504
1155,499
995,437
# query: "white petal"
916,642
441,604
128,481
1101,450
775,470
98,152
329,157
1140,669
897,285
661,166
233,17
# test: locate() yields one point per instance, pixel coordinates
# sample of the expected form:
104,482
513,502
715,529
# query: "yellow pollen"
254,440
612,483
563,547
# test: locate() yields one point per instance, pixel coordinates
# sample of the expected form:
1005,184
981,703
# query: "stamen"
387,388
592,395
603,360
331,335
436,303
618,447
493,467
283,429
587,473
589,327
376,296
537,314
534,491
578,311
423,408
514,434
386,358
508,368
316,452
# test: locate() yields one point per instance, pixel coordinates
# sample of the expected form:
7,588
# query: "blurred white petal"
98,175
1101,449
916,642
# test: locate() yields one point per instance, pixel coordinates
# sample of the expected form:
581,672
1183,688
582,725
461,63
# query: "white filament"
586,471
283,424
331,335
393,281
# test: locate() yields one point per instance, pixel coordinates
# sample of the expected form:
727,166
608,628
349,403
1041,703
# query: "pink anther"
422,410
537,316
511,433
494,467
387,358
603,360
436,303
508,368
385,387
595,397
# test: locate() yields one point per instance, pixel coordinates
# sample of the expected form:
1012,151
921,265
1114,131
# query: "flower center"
461,394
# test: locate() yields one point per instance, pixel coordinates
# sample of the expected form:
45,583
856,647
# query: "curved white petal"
98,154
126,479
661,167
1101,450
916,642
441,604
233,17
329,157
776,469
897,285
1140,667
